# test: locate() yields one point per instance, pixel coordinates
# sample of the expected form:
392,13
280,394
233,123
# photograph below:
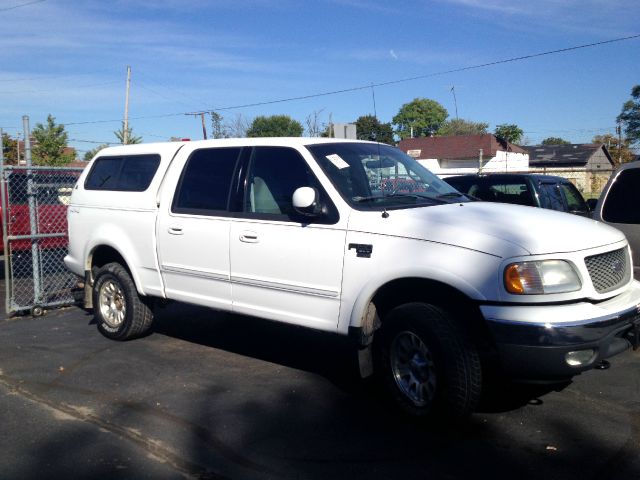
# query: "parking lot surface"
211,395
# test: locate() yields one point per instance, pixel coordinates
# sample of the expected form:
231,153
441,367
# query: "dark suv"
544,191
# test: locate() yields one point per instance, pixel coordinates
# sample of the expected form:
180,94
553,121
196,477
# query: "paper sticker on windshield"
337,161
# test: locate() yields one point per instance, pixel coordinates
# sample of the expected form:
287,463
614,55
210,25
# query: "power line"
21,5
57,89
380,84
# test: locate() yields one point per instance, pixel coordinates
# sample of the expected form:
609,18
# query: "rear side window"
206,181
126,173
621,204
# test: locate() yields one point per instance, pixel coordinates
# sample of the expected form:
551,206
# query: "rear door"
193,227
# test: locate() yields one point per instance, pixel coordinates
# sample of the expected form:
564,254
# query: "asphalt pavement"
213,395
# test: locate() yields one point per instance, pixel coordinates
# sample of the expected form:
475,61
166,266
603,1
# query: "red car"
50,191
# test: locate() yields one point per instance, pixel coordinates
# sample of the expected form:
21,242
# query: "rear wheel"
121,314
427,363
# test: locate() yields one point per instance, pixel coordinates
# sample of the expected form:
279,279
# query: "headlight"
538,278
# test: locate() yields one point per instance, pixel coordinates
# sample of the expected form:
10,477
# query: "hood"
499,229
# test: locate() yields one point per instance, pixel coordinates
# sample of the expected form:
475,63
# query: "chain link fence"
34,227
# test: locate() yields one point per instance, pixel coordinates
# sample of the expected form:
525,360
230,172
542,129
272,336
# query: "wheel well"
462,308
103,255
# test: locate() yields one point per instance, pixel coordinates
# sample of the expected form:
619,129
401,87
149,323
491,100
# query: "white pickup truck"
359,239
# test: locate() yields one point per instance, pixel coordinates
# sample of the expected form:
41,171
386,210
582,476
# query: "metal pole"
33,222
480,152
125,133
3,202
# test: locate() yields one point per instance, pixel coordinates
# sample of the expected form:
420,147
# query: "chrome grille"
609,271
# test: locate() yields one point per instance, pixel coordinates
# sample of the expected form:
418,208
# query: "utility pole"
455,102
1,150
619,131
204,128
125,133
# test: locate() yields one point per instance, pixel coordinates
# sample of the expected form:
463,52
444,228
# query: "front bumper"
533,341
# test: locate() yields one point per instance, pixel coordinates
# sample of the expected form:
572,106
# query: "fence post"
4,216
33,221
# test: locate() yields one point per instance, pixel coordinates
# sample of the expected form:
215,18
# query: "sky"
244,58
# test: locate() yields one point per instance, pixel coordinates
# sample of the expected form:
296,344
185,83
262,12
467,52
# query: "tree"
92,153
462,127
555,141
9,150
50,141
630,116
237,127
218,129
131,138
369,127
315,128
422,116
620,152
509,133
275,126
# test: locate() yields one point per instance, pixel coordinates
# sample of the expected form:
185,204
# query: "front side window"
205,182
126,173
274,174
550,197
370,176
621,203
575,202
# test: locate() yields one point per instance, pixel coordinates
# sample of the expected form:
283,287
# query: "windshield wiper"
414,196
451,195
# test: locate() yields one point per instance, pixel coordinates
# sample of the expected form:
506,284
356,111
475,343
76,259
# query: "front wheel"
121,314
427,363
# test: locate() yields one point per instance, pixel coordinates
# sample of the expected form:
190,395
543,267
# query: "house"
587,165
460,154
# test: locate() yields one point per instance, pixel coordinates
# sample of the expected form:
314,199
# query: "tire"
427,363
121,314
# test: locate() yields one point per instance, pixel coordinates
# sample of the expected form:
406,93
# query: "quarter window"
130,173
206,180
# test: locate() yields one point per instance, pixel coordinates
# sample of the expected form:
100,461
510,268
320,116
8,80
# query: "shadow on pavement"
329,355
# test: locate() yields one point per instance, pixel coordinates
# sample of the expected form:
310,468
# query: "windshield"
370,175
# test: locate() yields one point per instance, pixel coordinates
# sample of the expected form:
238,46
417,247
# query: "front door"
285,266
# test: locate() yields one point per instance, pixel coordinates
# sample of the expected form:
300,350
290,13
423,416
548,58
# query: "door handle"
175,230
249,237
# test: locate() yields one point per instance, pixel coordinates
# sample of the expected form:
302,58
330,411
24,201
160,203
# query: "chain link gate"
34,227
